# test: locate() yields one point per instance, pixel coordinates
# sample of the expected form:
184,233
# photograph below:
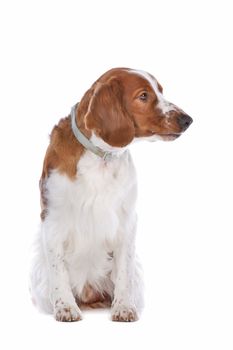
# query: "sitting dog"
85,252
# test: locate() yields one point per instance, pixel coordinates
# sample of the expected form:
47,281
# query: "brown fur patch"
63,154
107,115
92,299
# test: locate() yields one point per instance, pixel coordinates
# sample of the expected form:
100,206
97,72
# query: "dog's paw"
65,312
122,313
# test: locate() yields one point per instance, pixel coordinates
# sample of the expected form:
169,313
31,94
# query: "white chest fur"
101,187
87,213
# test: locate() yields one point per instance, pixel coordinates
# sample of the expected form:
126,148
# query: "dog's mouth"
170,136
164,137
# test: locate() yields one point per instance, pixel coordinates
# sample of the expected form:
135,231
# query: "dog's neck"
87,143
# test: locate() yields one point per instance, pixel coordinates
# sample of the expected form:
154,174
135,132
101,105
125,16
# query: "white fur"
152,138
97,141
89,220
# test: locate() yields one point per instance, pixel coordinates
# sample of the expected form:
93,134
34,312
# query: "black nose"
184,121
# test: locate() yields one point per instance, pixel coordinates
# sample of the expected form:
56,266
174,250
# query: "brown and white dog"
85,253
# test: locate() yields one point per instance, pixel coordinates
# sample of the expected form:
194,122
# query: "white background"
51,52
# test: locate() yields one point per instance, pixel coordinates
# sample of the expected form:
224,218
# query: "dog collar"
85,141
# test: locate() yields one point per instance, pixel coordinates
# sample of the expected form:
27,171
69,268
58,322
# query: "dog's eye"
143,97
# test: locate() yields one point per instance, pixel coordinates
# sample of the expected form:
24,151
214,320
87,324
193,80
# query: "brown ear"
107,115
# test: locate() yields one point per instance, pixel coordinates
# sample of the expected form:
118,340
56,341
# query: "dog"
85,249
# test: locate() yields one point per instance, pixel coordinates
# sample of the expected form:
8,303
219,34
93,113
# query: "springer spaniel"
85,252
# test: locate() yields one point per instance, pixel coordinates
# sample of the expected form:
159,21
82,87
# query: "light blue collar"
106,156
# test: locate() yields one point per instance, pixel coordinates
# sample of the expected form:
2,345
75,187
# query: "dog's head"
125,104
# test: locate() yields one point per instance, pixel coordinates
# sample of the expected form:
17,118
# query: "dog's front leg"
126,276
64,306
